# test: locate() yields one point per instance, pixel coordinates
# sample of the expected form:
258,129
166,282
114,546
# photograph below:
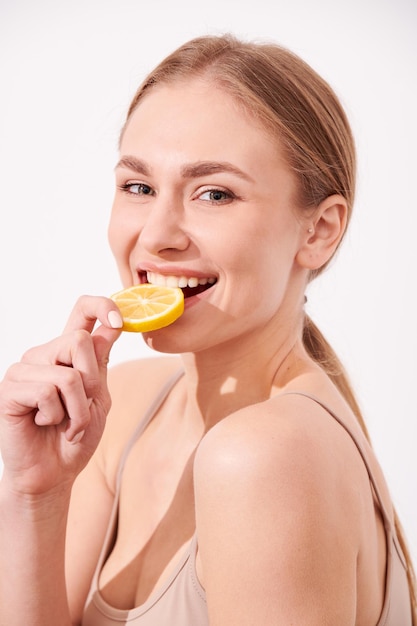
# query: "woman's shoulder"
141,376
279,494
133,386
287,423
277,500
289,447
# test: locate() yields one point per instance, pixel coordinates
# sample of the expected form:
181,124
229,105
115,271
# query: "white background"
67,73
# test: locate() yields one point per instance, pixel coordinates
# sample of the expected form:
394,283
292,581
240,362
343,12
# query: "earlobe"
323,236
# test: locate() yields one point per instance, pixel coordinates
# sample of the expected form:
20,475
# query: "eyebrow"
205,168
192,170
132,163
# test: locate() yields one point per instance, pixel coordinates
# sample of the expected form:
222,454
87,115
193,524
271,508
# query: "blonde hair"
301,110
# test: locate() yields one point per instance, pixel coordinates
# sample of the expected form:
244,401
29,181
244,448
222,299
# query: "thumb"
104,339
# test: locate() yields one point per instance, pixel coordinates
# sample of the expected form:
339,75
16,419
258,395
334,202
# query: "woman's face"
205,200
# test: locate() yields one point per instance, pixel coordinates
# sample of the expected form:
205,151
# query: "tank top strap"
113,518
378,483
143,423
396,606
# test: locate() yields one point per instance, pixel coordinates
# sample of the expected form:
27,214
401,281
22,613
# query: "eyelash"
127,188
228,195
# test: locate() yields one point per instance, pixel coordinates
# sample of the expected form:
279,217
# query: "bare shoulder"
276,502
139,379
133,386
288,440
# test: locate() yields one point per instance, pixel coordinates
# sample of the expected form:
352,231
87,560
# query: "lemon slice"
149,307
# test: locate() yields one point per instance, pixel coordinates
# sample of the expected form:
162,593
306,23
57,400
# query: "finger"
20,400
50,408
74,350
89,354
57,393
89,309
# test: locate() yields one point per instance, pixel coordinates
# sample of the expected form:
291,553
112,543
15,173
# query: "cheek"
250,249
122,240
115,237
265,259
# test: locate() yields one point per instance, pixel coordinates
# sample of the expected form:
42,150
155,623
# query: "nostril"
162,232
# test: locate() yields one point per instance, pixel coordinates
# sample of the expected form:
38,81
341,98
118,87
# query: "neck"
227,378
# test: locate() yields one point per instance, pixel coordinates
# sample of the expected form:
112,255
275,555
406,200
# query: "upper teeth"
177,281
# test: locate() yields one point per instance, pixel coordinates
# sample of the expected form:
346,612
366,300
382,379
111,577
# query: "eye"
137,189
216,196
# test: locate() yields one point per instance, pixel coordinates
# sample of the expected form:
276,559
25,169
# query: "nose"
163,229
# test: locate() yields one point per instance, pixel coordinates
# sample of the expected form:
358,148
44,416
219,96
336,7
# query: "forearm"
32,548
53,408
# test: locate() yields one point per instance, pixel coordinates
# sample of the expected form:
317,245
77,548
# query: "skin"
285,534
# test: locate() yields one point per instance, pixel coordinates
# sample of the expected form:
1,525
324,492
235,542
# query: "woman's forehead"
197,110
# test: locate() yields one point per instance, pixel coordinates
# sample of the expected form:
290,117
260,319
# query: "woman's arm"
32,537
276,527
53,406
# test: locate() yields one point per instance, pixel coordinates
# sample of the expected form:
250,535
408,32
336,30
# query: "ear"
323,233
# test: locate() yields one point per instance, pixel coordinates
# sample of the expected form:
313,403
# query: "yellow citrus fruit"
149,307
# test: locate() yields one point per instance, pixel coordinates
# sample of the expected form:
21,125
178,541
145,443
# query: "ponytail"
299,109
322,353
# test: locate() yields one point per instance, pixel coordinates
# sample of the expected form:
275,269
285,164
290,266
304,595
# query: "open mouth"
191,285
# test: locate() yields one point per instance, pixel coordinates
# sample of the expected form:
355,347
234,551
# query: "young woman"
233,484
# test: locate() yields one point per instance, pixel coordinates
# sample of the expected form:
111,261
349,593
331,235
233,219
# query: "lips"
191,285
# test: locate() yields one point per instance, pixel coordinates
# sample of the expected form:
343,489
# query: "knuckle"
47,393
81,338
81,343
29,355
71,384
86,302
70,379
12,372
6,395
92,387
81,301
105,360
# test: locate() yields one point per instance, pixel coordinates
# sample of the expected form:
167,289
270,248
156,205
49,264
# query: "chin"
164,340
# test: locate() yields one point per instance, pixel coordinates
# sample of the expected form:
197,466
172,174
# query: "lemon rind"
151,322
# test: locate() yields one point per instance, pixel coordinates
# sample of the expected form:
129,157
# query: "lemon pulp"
148,307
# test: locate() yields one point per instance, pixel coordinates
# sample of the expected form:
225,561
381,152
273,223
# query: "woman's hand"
53,404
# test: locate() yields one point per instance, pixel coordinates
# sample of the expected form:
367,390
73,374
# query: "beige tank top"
181,601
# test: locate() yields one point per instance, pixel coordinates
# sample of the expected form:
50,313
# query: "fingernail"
115,319
77,438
